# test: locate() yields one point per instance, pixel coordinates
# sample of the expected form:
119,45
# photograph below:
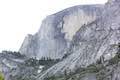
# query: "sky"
21,17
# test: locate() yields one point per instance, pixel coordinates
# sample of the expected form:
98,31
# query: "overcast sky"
21,17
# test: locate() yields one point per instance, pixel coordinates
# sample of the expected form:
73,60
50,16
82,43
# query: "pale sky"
21,17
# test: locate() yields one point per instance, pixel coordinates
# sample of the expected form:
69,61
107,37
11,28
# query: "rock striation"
57,31
79,36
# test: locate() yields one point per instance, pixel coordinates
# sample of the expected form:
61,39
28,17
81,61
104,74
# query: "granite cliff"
57,31
83,42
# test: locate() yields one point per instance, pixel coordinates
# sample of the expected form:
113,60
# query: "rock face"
57,31
92,40
79,36
106,70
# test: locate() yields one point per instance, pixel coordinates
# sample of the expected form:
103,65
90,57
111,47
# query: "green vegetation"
16,54
98,69
43,61
47,62
101,69
21,78
1,76
114,60
50,78
29,69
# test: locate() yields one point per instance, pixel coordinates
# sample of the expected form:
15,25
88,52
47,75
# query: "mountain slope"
79,36
107,70
91,41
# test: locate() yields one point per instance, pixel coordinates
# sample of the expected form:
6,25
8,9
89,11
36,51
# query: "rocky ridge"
93,40
85,39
